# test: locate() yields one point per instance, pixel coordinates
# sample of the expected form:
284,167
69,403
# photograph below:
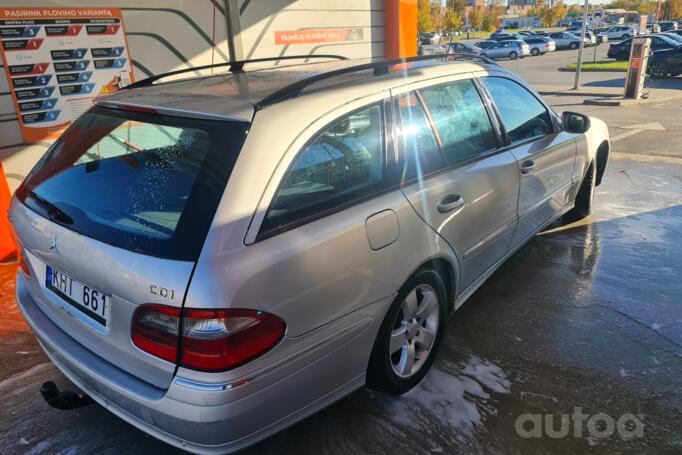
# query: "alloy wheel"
414,330
658,71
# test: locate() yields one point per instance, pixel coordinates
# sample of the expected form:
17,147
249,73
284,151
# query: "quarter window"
523,116
460,120
344,162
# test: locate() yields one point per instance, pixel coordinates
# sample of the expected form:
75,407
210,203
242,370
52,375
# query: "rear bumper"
212,420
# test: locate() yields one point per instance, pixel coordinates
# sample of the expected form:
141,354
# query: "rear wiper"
53,212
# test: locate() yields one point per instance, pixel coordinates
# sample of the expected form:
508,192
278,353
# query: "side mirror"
575,123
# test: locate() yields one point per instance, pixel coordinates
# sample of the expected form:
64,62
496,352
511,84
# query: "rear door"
546,155
455,175
114,216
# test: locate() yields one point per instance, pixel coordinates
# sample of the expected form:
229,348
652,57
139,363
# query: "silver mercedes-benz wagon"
213,259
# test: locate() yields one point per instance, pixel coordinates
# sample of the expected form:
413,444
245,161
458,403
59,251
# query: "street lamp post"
580,49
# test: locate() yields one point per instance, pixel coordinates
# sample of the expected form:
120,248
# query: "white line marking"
625,134
24,374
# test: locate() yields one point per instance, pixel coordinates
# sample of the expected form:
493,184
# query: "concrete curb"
610,70
620,101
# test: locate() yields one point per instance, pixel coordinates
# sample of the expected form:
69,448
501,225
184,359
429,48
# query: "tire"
585,196
573,46
625,36
535,51
513,55
420,308
658,70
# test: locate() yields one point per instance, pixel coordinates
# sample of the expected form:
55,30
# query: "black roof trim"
234,67
380,68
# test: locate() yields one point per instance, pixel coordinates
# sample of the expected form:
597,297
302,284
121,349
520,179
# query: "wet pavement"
587,315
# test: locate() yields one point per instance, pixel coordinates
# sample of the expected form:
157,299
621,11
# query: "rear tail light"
155,330
206,340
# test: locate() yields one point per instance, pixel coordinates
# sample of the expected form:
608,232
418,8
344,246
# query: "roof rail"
380,68
234,67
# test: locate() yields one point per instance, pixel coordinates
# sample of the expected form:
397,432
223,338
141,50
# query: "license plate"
88,300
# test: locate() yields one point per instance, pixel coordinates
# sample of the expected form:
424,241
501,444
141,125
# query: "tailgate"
122,278
114,216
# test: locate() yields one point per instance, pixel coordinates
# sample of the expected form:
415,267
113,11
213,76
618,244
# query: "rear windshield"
140,181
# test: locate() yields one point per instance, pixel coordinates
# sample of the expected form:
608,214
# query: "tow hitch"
63,400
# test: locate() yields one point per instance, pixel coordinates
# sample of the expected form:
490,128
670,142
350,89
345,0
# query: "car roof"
236,96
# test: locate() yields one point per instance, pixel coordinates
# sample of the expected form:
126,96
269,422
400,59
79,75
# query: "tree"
436,19
475,18
558,12
457,6
672,9
535,9
641,6
423,16
453,20
491,18
550,16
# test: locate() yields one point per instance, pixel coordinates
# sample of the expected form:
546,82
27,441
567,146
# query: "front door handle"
450,202
528,167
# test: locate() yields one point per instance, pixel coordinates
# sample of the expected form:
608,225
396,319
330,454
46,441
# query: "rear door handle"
449,203
528,167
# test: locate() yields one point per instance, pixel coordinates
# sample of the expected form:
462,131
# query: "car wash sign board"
57,60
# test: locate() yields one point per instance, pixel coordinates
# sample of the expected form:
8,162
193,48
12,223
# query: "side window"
460,119
344,162
418,144
523,116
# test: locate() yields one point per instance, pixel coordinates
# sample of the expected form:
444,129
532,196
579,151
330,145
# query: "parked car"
621,51
461,47
565,40
602,37
622,32
511,49
591,37
436,38
676,32
485,44
265,258
425,38
673,36
539,45
499,31
665,63
508,37
650,30
666,26
576,30
430,49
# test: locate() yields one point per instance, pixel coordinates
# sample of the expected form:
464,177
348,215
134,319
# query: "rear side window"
147,183
523,116
343,163
420,151
460,119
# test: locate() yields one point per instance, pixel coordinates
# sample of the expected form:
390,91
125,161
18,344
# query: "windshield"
144,182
